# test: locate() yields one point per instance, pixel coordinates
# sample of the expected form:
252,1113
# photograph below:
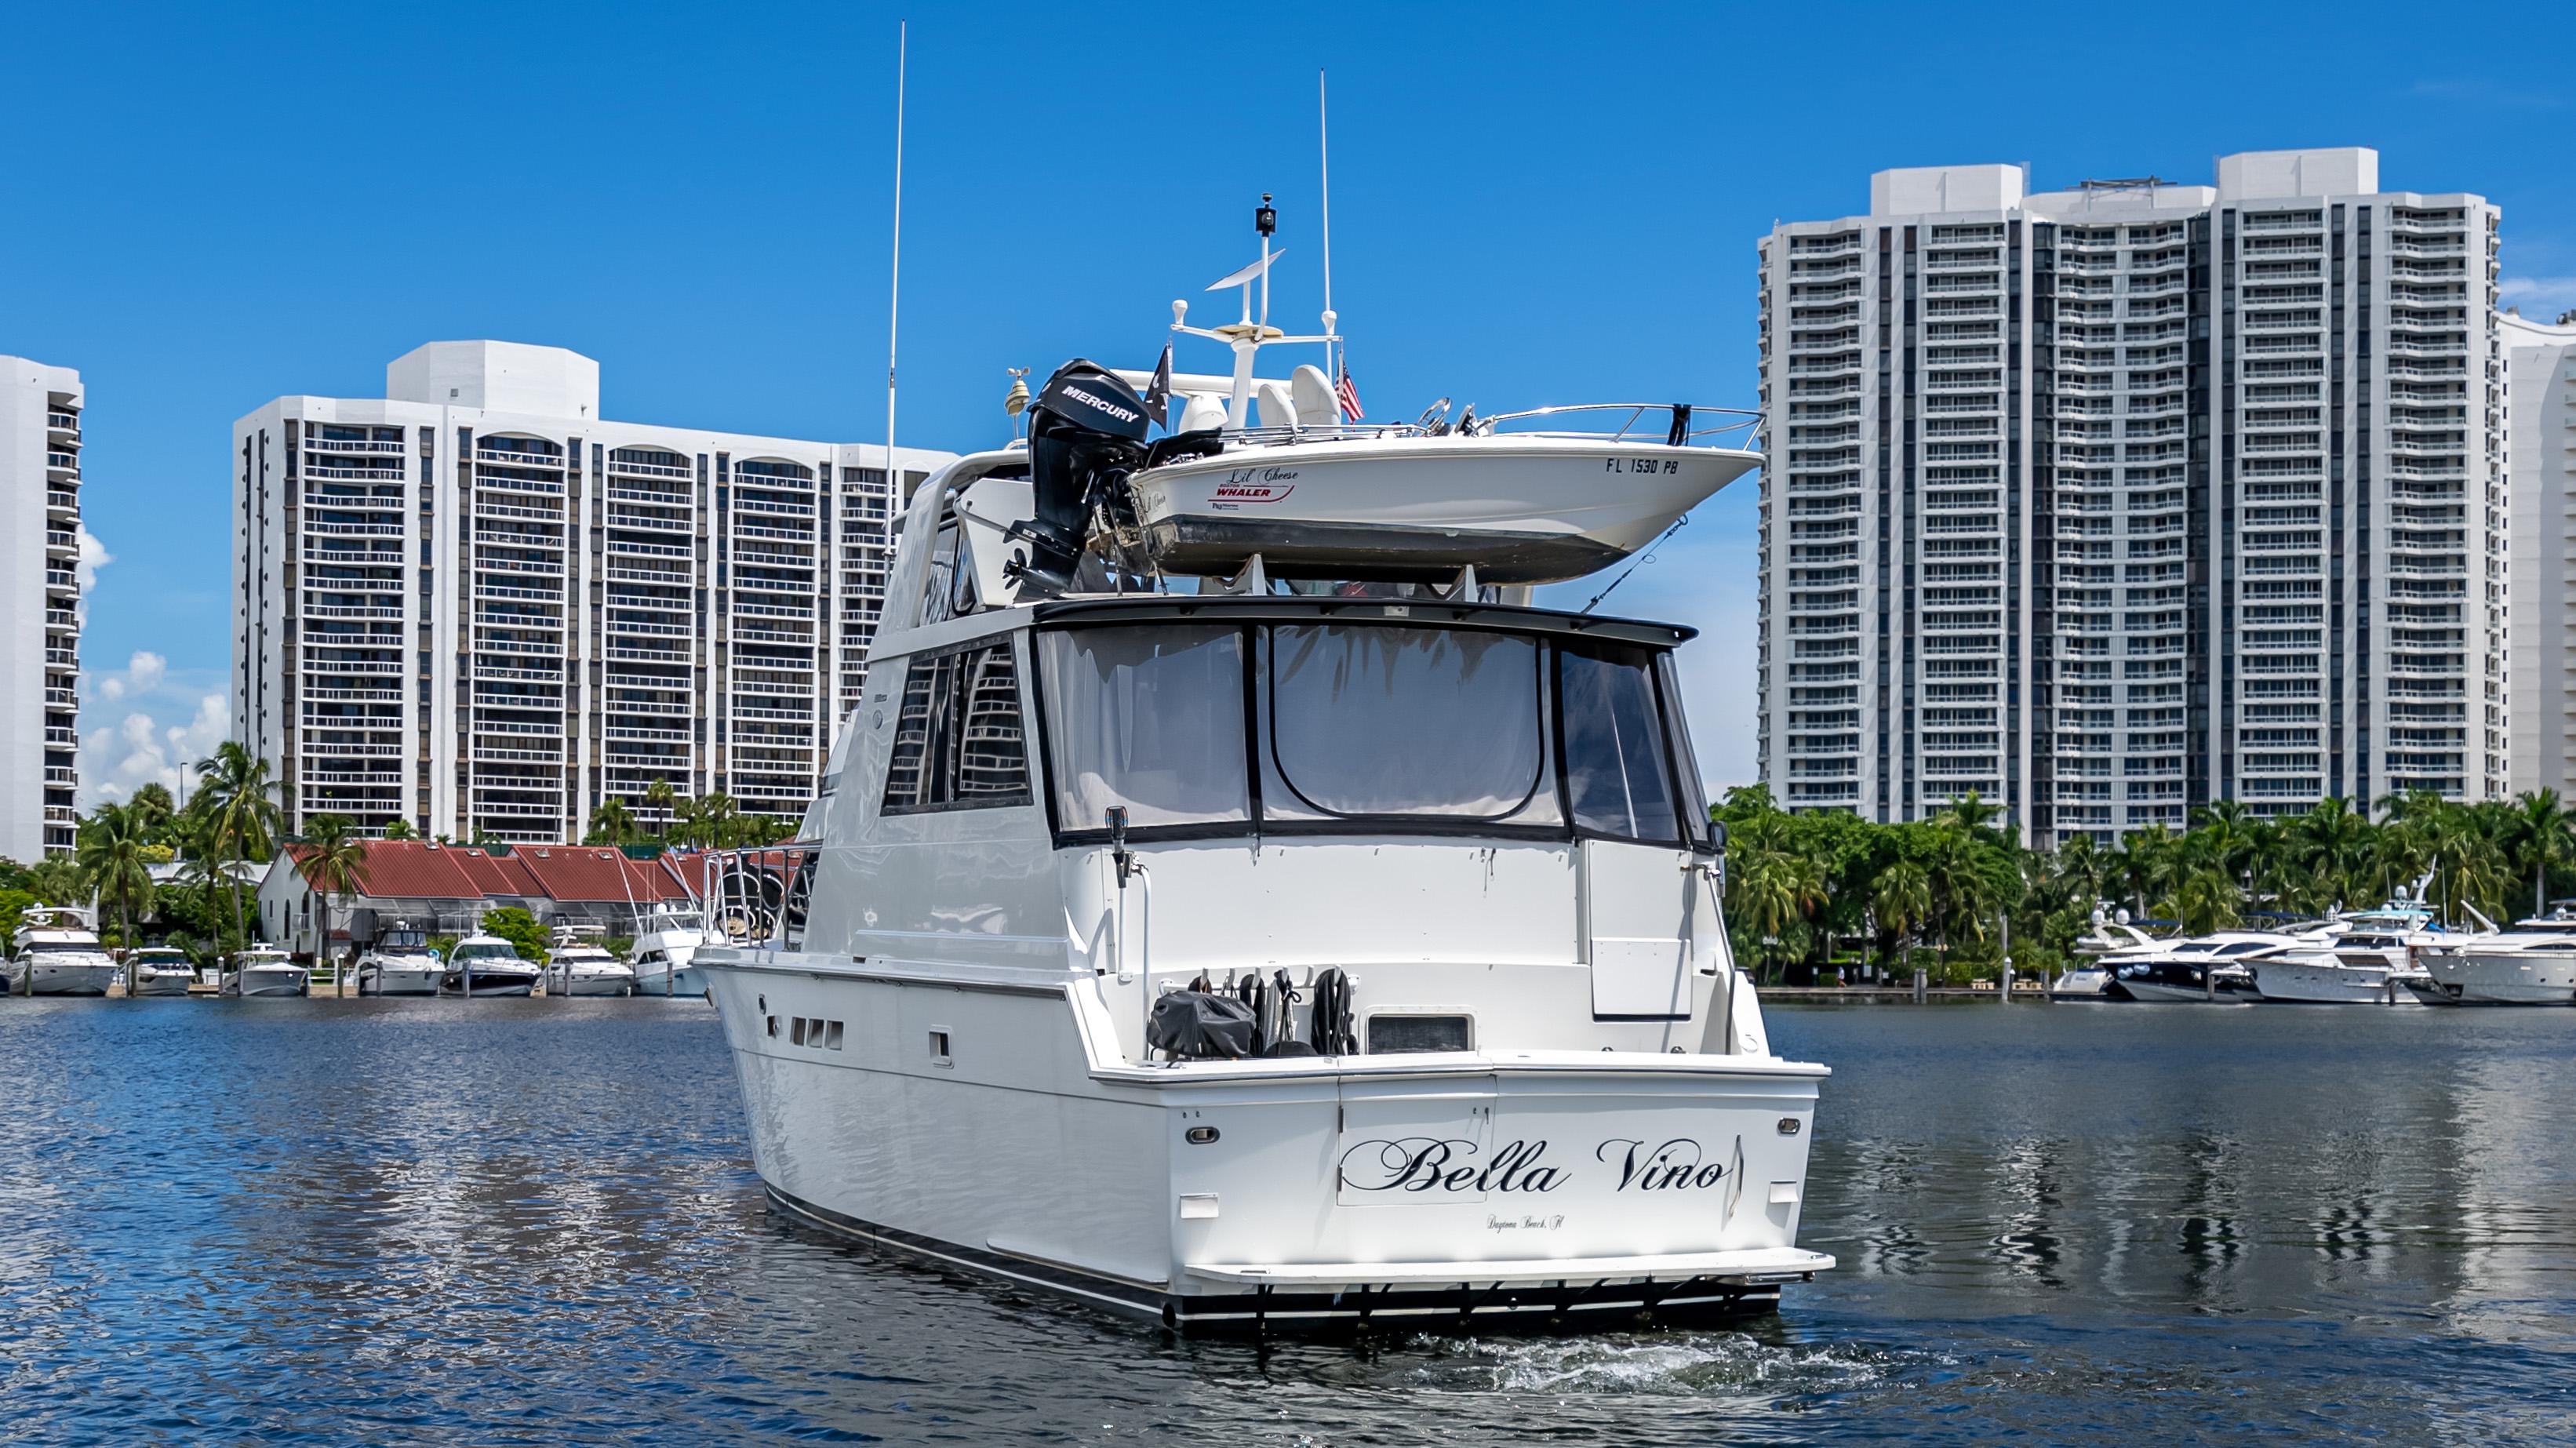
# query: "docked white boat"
2201,970
265,970
400,967
486,965
2356,959
2112,944
576,966
1249,957
161,970
666,941
2529,963
59,954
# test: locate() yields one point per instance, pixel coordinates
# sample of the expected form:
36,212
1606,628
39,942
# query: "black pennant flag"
1158,392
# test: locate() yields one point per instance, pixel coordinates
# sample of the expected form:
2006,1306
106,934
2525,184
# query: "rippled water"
535,1222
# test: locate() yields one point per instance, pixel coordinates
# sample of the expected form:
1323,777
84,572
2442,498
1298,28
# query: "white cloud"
120,758
2538,294
93,557
143,674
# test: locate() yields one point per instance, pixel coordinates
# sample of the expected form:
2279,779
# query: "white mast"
894,299
1324,153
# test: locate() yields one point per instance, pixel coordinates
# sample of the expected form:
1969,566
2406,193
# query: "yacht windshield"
1299,725
1366,720
485,950
1149,720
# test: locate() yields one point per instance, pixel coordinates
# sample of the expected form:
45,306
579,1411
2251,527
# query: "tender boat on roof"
162,970
265,970
1327,941
59,954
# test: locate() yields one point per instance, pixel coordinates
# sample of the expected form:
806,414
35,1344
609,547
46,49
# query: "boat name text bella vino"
1441,1164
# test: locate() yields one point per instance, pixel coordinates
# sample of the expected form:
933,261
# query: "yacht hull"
686,981
493,984
1547,1187
1519,509
2512,978
2159,993
2328,983
271,982
67,980
163,983
396,981
592,985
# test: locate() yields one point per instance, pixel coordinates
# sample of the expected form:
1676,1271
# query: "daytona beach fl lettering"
1423,1164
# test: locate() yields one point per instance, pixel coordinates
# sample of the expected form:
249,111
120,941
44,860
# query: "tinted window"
1148,719
1367,720
1615,775
958,742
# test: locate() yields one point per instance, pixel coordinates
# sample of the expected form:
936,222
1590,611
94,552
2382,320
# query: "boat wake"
1701,1365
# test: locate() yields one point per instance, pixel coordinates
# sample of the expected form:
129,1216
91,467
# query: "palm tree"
237,794
2542,835
659,797
1969,812
111,860
612,823
2332,846
154,808
399,828
333,860
1902,902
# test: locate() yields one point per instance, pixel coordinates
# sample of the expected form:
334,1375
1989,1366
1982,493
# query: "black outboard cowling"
1086,431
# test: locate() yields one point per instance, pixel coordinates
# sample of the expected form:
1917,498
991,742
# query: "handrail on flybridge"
1739,422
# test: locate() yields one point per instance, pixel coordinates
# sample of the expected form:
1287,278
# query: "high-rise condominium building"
2541,466
475,605
40,616
2112,501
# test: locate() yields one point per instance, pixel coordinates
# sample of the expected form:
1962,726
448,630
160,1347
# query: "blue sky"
211,207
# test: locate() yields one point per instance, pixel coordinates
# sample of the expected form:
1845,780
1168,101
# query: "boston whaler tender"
1237,905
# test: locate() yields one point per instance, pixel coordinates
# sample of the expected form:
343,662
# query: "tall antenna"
1324,154
894,300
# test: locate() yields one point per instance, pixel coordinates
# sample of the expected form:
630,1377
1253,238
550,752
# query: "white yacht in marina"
2529,963
401,964
578,965
666,941
486,965
2114,942
265,970
2360,958
2203,969
1241,907
161,970
59,954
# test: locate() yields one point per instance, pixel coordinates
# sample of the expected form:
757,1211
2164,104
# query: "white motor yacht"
2529,963
161,970
402,965
2200,970
59,954
2112,944
265,970
486,965
2356,959
578,966
1243,955
665,944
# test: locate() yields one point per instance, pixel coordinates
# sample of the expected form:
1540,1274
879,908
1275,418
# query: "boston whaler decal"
1245,486
1423,1165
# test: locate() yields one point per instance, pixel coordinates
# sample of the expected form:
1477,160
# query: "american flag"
1348,395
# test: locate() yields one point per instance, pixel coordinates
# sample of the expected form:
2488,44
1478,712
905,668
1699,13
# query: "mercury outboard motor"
1086,432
